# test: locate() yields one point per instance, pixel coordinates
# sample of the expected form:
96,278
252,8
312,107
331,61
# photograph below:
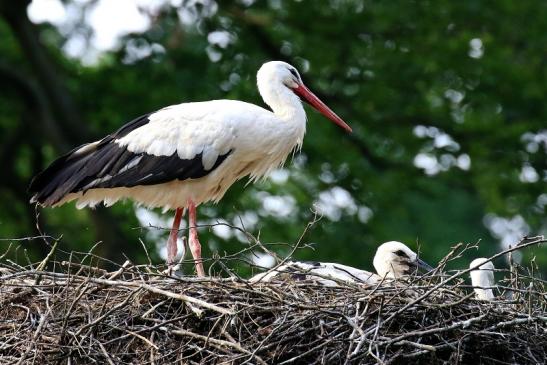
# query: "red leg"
172,242
193,242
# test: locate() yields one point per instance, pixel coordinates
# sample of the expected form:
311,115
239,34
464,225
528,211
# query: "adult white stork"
482,278
187,154
393,260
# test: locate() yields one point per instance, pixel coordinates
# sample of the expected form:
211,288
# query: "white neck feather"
284,103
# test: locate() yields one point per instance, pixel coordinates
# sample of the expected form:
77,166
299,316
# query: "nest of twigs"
76,314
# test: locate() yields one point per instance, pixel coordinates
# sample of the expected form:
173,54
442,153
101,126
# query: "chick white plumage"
482,278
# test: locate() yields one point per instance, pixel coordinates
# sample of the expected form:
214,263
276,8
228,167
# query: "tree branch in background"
42,123
62,125
15,13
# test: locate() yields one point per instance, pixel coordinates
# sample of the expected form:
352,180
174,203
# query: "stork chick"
482,278
393,260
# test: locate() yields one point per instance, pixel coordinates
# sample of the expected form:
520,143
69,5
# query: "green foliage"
473,71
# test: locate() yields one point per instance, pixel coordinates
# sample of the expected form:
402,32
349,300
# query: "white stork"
187,154
482,278
393,260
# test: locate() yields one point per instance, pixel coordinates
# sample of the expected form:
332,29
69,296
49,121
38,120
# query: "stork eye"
312,263
401,253
293,72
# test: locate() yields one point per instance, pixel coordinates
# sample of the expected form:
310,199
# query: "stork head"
482,278
276,78
394,259
482,264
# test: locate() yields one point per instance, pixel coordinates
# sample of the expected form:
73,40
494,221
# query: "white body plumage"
211,128
187,152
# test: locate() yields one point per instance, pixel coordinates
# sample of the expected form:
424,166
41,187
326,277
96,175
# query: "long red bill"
309,97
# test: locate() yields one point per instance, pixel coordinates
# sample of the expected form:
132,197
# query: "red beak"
309,97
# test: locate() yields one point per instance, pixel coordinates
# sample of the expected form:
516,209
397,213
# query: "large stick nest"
75,313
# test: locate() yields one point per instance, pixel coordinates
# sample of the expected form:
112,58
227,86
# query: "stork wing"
341,272
319,271
152,149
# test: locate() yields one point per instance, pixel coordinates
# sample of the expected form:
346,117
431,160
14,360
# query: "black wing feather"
108,165
151,170
56,168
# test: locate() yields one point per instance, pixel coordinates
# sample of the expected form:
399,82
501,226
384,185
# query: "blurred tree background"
446,100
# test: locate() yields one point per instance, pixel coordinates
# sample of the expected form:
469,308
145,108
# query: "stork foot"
175,269
193,241
195,248
172,241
